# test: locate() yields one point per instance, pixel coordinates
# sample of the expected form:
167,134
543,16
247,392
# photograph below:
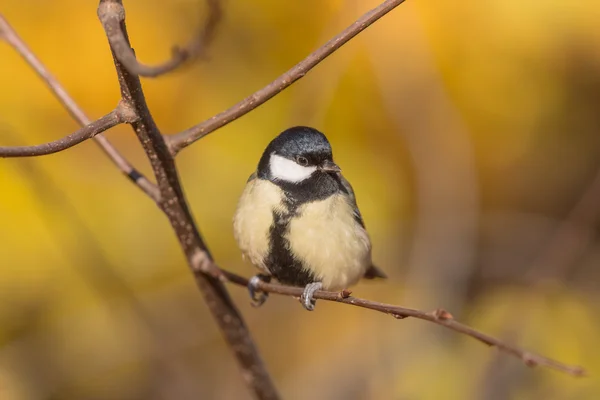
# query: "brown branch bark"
179,141
174,205
115,117
439,316
170,197
125,54
8,34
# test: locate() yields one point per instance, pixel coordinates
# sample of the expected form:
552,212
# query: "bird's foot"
258,297
307,297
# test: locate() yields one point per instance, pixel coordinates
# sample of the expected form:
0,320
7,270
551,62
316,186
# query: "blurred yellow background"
470,131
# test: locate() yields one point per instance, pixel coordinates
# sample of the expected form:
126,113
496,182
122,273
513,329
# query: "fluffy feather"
328,241
301,223
254,217
325,236
288,170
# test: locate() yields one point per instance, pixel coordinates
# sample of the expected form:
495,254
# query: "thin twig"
209,277
8,34
179,141
106,122
439,316
174,205
118,41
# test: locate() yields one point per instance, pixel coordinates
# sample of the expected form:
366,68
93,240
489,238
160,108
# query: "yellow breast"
253,218
329,241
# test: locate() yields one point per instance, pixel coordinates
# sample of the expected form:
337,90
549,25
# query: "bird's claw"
257,296
308,302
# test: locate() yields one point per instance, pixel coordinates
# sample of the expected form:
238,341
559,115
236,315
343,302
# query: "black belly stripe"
280,261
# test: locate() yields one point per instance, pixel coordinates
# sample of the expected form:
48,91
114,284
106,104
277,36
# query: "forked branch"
118,41
183,139
118,116
176,209
170,197
8,34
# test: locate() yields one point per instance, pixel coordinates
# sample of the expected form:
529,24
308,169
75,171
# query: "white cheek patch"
288,170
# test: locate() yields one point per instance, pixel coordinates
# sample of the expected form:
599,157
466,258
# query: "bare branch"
174,205
111,119
183,139
8,34
123,51
171,200
439,316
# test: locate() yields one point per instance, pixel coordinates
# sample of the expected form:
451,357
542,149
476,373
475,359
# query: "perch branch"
125,54
439,316
8,34
179,141
171,199
111,119
174,205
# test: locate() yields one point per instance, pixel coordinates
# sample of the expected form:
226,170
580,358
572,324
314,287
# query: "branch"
439,316
174,205
125,54
8,34
183,139
115,117
171,199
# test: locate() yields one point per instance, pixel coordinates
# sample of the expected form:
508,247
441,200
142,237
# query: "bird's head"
297,154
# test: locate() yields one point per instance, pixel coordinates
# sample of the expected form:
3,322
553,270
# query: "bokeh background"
470,131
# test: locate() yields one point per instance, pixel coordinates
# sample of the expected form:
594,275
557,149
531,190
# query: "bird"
297,219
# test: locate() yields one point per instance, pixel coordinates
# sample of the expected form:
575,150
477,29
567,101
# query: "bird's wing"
373,271
251,177
346,185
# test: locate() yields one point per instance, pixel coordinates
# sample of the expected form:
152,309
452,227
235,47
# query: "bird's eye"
302,161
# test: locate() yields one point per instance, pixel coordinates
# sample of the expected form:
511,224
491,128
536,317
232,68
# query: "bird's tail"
373,272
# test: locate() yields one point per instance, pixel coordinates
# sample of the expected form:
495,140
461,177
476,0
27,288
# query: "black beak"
329,166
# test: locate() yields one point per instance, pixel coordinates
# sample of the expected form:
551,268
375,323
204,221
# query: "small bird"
297,219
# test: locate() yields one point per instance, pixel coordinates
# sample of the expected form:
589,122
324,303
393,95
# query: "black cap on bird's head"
295,154
300,140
